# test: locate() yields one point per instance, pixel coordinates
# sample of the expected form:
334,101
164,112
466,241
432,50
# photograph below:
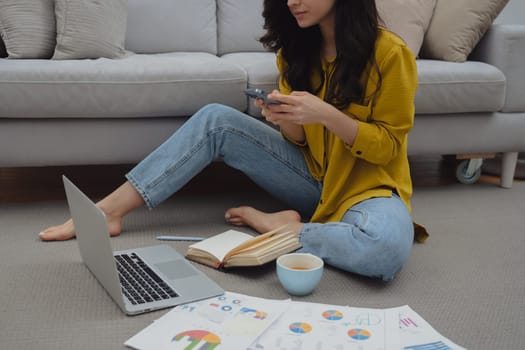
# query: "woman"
347,91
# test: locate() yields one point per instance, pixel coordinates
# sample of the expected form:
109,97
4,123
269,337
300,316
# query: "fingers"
276,95
265,112
284,112
292,99
279,113
258,103
269,116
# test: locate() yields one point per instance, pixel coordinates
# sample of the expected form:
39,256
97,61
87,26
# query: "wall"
514,12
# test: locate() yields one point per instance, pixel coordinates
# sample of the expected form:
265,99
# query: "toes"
231,212
232,219
46,235
236,222
232,216
55,236
63,236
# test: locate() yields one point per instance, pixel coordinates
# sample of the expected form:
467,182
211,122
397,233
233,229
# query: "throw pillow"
156,26
90,29
28,28
457,26
409,19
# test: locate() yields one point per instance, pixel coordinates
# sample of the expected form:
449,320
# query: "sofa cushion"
457,27
407,18
239,25
451,87
156,26
444,87
171,84
504,47
28,28
90,29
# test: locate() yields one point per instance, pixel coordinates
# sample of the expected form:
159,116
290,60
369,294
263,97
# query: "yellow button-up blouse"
377,161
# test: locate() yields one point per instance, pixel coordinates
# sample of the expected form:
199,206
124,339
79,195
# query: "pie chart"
206,340
359,334
333,315
300,327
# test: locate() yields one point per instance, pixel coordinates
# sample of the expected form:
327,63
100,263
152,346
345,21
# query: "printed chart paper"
230,321
315,326
417,334
235,322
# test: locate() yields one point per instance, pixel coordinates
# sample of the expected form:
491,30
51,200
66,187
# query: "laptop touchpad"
176,269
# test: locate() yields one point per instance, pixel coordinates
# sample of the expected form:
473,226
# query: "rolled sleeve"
380,137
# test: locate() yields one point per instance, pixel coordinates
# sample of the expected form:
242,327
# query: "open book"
235,248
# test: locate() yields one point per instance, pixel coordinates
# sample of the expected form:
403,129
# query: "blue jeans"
373,239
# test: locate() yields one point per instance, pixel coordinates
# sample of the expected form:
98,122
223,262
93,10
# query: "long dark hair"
356,31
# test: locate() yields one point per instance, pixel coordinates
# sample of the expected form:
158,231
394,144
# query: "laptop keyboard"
140,284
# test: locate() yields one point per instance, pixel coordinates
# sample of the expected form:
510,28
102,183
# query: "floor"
44,183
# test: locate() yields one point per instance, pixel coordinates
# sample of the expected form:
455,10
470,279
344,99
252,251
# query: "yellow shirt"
377,162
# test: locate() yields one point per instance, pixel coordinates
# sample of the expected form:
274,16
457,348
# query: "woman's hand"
301,108
277,115
298,108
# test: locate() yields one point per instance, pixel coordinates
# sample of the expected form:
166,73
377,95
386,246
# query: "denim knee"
216,112
373,239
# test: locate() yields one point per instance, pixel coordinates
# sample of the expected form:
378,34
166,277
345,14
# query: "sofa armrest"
503,46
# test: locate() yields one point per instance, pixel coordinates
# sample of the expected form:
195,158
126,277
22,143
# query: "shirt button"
359,152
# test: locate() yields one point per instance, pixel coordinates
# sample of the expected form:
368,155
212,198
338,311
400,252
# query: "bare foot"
67,230
263,222
120,202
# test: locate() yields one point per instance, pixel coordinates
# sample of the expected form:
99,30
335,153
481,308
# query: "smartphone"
259,93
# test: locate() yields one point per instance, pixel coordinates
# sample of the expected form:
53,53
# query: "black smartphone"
259,93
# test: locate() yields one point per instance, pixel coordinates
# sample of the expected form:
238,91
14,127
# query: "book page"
219,245
255,240
262,257
269,242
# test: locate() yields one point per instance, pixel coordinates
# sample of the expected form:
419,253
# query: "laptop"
139,280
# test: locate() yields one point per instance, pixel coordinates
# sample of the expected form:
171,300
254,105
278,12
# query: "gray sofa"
104,111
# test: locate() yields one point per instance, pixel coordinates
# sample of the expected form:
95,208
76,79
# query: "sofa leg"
509,160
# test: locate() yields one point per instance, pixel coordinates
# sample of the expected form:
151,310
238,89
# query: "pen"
179,238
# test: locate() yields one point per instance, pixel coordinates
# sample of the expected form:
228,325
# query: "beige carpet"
467,281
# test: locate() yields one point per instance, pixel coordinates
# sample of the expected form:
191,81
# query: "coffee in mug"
299,273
